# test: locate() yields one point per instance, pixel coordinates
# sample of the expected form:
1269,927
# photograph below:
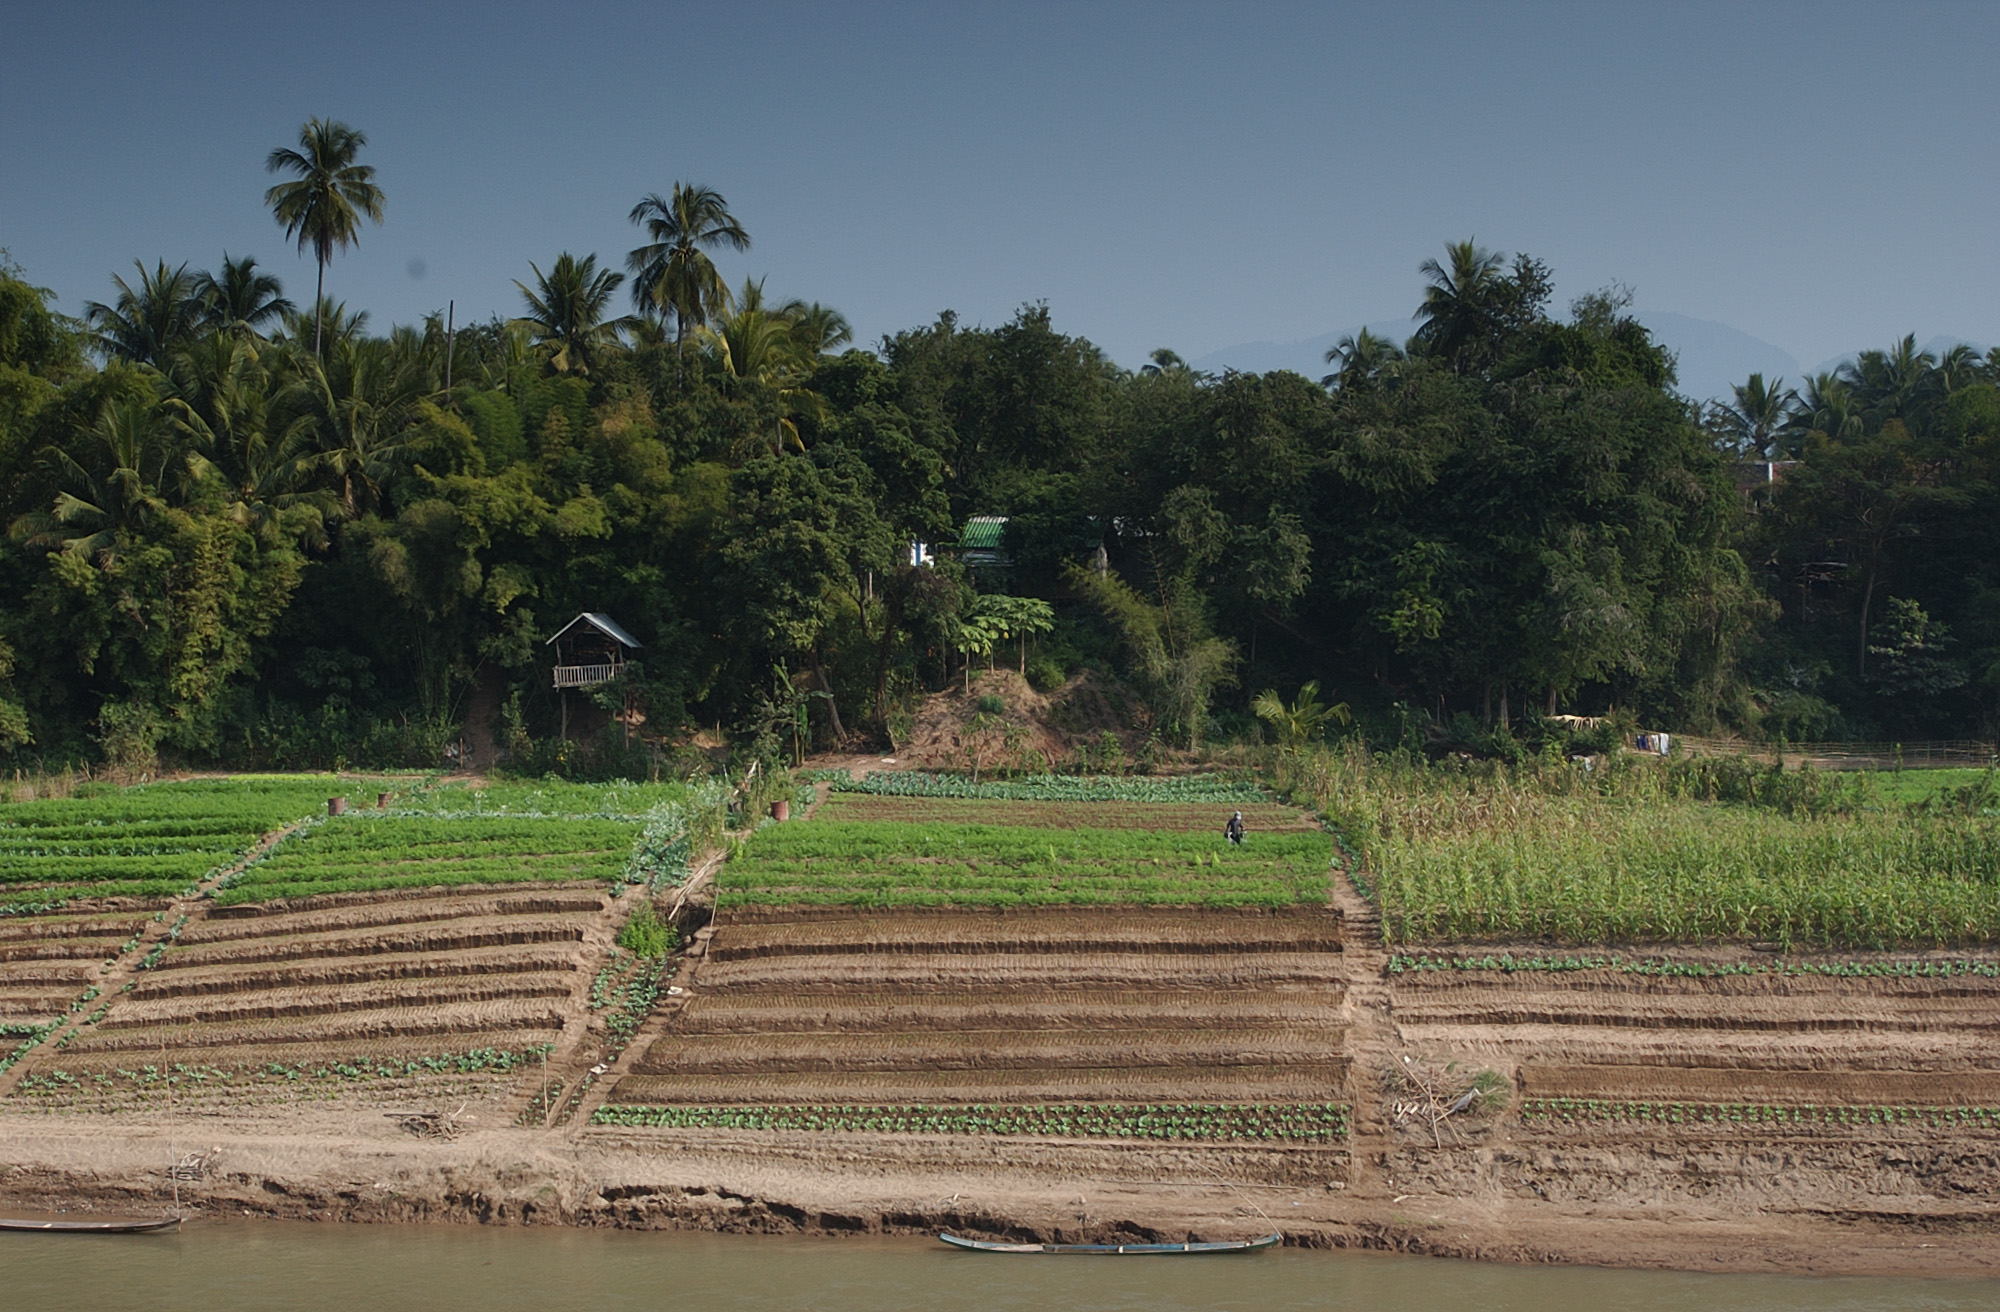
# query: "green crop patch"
148,841
1058,788
1284,1122
380,851
881,864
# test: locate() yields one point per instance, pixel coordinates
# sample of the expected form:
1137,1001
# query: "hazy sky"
1823,176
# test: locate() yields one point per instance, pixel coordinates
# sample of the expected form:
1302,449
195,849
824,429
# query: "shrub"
646,935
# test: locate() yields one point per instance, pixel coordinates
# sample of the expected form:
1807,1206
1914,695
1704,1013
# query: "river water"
279,1267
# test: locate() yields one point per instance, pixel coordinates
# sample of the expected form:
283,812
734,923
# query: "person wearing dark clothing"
1233,831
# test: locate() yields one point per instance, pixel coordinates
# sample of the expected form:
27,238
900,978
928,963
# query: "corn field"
1634,851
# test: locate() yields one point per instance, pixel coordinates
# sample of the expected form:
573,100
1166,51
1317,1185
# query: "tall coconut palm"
1826,406
1458,306
1363,358
672,272
241,300
149,322
566,311
1891,384
1754,423
818,329
324,204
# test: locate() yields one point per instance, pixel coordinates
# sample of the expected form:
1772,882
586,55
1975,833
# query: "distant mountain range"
1712,357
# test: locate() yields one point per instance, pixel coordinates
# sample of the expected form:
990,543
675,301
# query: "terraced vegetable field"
1058,962
454,934
148,843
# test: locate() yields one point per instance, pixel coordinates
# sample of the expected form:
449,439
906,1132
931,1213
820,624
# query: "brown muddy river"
262,1266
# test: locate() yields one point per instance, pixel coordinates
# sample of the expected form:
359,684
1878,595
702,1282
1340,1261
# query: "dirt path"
1372,1043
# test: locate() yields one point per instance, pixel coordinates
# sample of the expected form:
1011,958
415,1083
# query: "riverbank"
358,1167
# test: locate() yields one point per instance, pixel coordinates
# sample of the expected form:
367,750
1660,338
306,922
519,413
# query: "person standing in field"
1233,831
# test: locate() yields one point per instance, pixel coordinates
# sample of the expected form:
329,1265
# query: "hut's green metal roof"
984,533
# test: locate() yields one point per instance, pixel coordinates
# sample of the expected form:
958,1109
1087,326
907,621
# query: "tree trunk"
832,708
1861,643
319,309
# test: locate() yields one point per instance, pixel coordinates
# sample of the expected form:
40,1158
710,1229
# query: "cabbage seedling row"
1294,1122
1548,1110
1666,968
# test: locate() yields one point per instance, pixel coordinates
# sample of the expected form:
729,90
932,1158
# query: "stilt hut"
590,650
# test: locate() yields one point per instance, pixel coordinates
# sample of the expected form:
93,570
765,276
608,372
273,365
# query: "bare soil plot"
267,996
1005,1007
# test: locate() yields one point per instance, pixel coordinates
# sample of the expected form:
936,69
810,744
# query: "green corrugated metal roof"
984,533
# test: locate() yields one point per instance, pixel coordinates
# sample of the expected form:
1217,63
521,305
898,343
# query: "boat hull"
90,1227
1117,1250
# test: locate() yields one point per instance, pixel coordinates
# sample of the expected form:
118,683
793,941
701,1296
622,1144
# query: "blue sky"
1822,177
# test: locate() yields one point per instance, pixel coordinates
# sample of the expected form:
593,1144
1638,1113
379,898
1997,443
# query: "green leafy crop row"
1547,1110
890,864
1661,966
1058,788
1292,1122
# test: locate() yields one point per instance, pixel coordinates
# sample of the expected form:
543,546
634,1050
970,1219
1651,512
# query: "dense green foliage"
243,531
831,862
1297,1122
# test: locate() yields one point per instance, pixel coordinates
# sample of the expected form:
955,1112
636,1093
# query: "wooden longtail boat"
1116,1250
128,1226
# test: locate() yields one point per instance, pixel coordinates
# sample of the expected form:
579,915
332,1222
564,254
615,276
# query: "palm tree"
1305,720
1891,384
148,323
673,271
819,329
1362,357
1458,307
1163,361
324,204
223,398
361,403
241,300
1826,406
1753,424
566,311
108,483
757,347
